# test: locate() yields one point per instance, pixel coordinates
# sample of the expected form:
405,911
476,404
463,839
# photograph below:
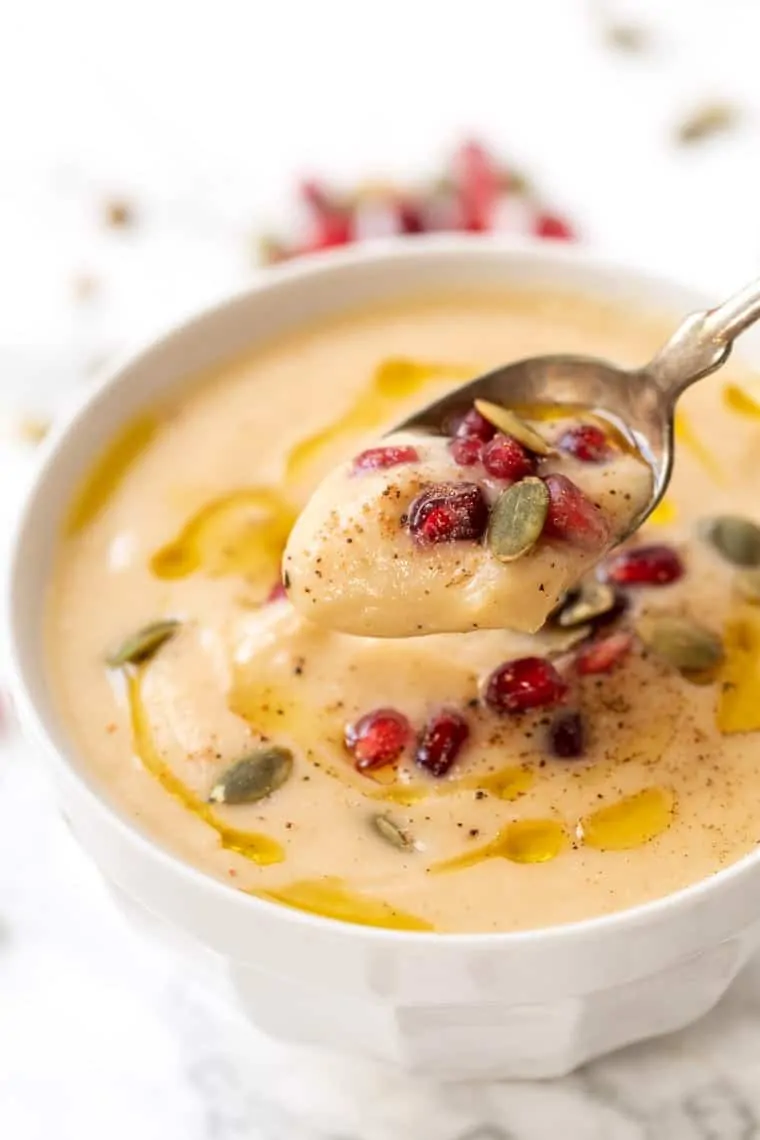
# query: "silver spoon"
642,401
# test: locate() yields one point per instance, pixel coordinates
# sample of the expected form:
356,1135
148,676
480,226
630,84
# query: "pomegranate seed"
474,424
567,735
526,683
332,222
586,442
478,183
441,742
505,458
467,450
448,512
573,516
410,216
380,458
548,225
604,653
378,738
277,593
645,566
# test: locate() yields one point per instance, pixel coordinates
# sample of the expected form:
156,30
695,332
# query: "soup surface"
411,782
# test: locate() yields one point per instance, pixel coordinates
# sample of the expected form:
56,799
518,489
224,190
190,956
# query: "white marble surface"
203,115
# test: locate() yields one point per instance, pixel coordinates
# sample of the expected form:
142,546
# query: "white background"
203,115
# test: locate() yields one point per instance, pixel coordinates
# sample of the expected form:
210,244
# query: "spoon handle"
703,342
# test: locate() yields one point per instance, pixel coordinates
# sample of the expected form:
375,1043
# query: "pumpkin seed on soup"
689,647
747,583
517,519
391,833
736,539
253,777
141,646
591,600
507,422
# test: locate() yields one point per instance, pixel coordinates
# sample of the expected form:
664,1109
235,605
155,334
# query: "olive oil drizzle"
630,822
688,438
738,400
259,848
108,472
522,841
245,531
329,897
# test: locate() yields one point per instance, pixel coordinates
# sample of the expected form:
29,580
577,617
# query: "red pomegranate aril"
567,735
604,653
410,216
441,742
655,565
478,183
522,684
380,458
378,738
506,458
448,512
573,517
474,424
548,225
466,451
331,221
277,593
586,442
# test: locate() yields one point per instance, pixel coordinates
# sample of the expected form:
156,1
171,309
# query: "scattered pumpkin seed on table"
689,647
510,424
141,646
391,832
517,519
253,777
736,539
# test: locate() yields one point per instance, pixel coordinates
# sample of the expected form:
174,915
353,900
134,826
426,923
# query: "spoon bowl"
640,402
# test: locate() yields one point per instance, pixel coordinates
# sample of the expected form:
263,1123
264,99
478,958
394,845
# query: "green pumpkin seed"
685,644
517,519
511,424
555,641
390,831
735,538
141,646
747,584
253,777
592,599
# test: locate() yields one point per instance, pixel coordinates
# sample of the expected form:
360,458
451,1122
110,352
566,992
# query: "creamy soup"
437,534
478,781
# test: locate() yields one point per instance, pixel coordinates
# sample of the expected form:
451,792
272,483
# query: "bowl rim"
544,255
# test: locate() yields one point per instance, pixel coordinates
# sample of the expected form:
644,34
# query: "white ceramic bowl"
531,1004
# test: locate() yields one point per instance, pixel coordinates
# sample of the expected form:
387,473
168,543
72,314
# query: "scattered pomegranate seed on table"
656,565
378,738
473,194
604,653
522,684
586,442
506,458
548,225
441,742
572,516
381,458
448,512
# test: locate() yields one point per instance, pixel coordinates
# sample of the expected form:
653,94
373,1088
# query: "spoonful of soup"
485,507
